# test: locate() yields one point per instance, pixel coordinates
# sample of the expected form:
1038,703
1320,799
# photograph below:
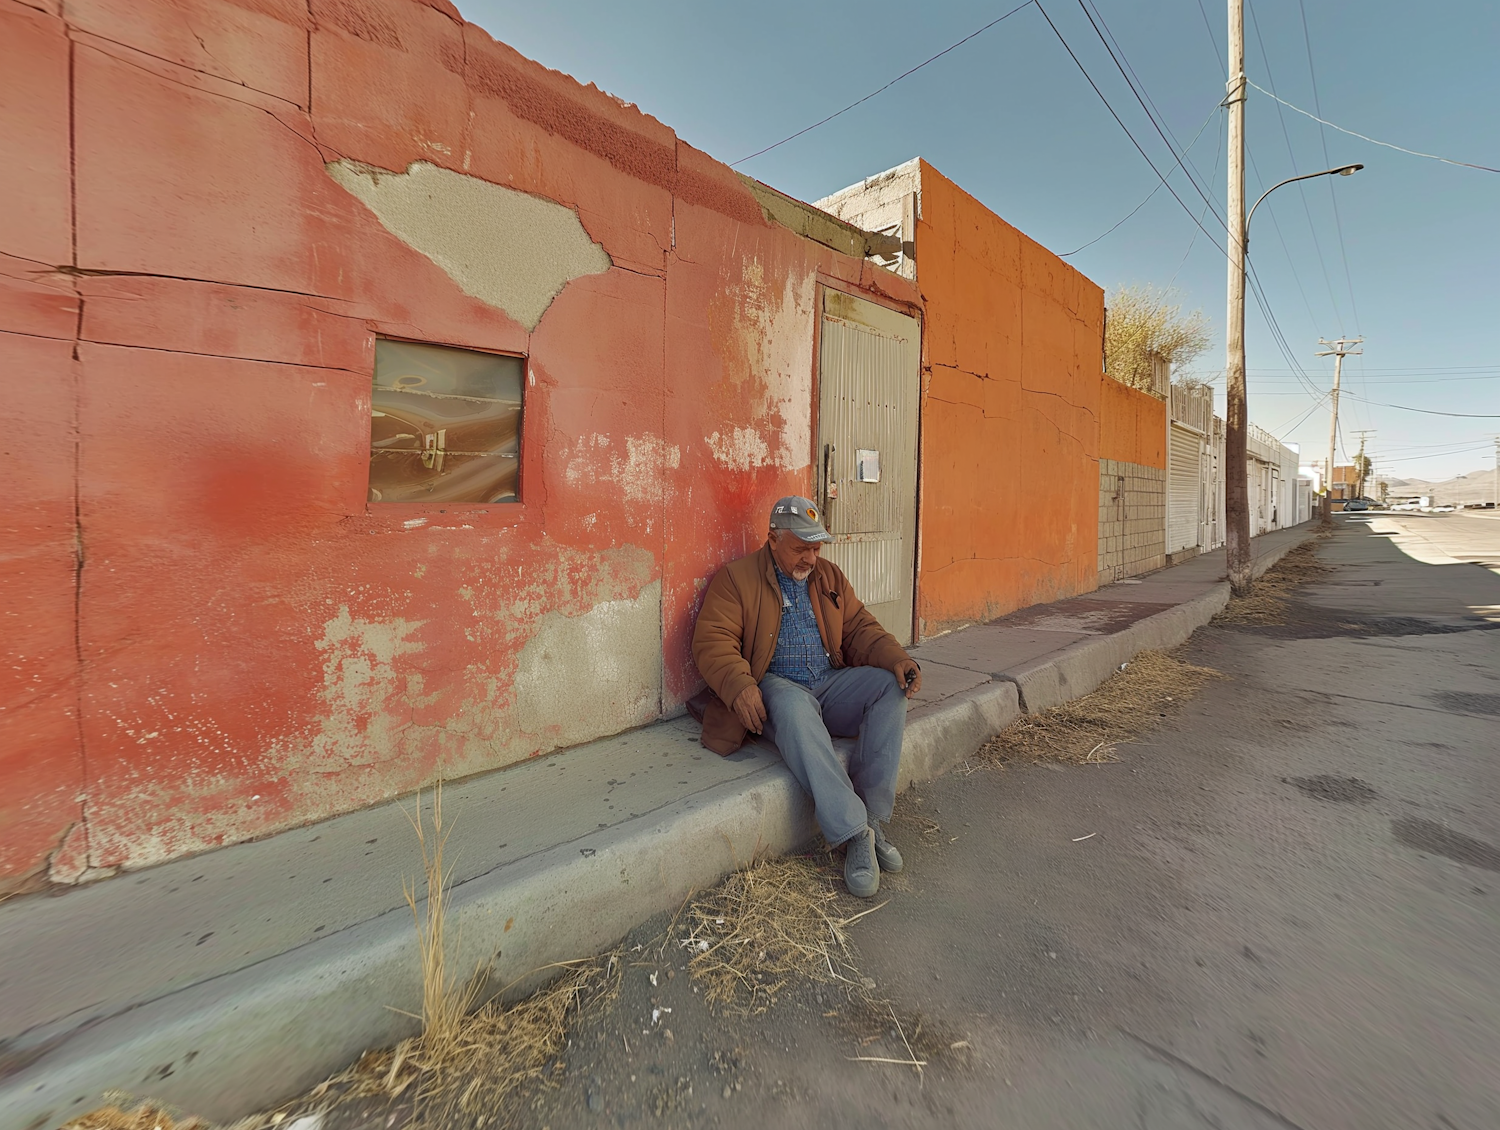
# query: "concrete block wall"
1132,519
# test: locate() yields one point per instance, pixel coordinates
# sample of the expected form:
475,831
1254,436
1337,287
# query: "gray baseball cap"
799,517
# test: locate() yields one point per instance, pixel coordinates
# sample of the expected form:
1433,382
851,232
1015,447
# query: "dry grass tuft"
147,1116
489,1056
777,921
1086,730
445,1003
465,1063
1270,596
781,923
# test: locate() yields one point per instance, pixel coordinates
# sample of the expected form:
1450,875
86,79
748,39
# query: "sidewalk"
226,981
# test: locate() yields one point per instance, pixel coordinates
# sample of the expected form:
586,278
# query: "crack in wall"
224,356
80,38
80,557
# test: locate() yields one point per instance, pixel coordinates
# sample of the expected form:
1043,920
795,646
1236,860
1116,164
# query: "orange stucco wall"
208,632
1010,415
1132,425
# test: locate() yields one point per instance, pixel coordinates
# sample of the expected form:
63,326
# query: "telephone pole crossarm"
1338,350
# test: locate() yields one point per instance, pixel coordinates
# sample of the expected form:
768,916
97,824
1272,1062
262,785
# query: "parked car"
1357,504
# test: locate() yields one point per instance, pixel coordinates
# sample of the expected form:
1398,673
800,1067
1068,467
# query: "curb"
1082,667
246,1039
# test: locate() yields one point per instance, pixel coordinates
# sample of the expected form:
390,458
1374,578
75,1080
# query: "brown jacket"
739,625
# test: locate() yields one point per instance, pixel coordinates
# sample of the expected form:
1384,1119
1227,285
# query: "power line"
1212,38
1130,81
1302,419
1118,121
1392,380
1430,411
1373,141
1151,194
1193,241
1301,188
1481,370
1338,222
887,86
1253,278
1127,72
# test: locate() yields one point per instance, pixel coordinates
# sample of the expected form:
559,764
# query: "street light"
1236,489
1341,171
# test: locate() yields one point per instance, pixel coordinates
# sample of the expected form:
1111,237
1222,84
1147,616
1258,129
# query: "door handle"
830,485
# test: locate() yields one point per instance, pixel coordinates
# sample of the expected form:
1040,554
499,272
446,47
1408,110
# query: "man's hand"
750,709
909,675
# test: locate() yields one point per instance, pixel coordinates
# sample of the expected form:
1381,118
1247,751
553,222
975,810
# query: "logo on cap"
813,514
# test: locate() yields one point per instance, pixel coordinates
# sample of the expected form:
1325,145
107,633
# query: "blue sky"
1406,252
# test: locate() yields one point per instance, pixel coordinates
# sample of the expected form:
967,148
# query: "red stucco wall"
211,635
1010,424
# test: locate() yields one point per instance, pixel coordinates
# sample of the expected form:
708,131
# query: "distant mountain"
1476,486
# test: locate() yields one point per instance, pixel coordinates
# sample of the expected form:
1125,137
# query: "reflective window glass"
445,424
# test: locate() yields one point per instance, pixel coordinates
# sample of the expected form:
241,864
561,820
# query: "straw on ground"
1086,730
764,927
1270,598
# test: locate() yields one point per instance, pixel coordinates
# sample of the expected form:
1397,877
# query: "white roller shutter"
1184,489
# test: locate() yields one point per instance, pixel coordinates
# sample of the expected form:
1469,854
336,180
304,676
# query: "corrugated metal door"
1184,489
869,394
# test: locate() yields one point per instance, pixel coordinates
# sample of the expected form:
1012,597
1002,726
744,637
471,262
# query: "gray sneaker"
885,851
861,873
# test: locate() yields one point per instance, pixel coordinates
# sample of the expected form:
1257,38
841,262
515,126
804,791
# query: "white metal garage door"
1184,489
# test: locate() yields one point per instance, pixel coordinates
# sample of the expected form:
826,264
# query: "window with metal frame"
445,424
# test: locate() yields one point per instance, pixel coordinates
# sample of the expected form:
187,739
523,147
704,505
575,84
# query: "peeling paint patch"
360,680
581,677
741,450
640,471
507,248
71,859
762,320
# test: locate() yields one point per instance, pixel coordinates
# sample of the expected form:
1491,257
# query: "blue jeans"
865,703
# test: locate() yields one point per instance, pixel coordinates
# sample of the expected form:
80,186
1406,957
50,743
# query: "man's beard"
802,572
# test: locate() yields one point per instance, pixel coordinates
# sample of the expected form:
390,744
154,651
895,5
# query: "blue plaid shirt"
800,655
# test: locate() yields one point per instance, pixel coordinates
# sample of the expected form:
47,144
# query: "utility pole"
1338,350
1359,464
1236,488
1497,472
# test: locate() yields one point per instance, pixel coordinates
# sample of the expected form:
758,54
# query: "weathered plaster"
580,677
740,449
361,674
504,247
766,313
640,469
202,401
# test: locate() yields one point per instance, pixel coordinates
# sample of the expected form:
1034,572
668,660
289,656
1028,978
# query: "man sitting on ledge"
789,651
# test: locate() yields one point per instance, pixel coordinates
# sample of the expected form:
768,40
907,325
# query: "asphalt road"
1286,912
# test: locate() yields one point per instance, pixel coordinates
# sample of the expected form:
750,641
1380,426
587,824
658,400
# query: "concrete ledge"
1083,666
237,1042
240,1041
941,736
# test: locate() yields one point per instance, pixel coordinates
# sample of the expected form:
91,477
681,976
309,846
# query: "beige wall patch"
504,247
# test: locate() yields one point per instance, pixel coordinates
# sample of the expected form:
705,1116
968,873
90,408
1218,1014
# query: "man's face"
793,556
